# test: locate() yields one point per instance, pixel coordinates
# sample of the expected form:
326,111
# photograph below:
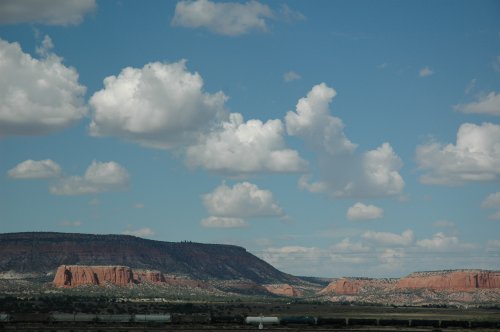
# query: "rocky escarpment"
460,280
40,252
352,286
453,280
77,275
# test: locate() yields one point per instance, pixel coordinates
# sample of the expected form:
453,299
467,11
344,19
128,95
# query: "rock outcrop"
352,286
460,280
450,281
77,275
284,290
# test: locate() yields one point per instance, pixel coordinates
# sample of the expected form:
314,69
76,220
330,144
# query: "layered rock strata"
448,281
77,275
352,286
463,280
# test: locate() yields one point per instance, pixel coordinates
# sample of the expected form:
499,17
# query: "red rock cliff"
353,286
451,280
345,286
76,275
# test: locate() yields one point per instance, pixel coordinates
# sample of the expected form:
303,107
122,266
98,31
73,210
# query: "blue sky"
330,138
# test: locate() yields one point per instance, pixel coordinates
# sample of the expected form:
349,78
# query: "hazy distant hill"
44,252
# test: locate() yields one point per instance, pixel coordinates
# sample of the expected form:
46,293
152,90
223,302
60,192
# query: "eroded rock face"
284,290
451,280
346,286
77,275
354,286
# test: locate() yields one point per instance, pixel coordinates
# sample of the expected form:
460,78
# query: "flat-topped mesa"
77,275
39,252
459,280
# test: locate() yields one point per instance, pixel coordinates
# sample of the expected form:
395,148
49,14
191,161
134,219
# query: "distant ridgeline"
41,252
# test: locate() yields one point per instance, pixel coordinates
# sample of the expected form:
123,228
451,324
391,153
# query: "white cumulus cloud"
223,222
343,172
390,239
238,147
161,105
37,96
360,211
99,177
243,200
226,18
391,256
350,247
381,170
474,158
487,104
313,122
442,242
35,169
50,12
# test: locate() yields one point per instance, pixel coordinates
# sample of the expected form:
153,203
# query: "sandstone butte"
76,275
350,286
462,280
284,289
